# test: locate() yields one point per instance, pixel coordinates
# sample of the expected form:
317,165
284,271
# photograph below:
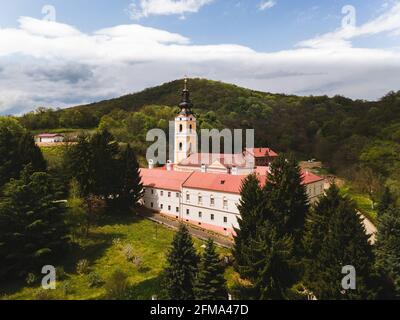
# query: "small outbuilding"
49,138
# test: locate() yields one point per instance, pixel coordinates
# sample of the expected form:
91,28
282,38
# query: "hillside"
345,134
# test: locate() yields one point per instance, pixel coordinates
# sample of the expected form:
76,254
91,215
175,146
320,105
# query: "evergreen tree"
17,149
181,269
32,228
387,247
386,201
287,197
210,284
249,207
271,261
336,237
131,186
105,151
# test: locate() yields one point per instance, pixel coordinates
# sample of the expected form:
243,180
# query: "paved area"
202,234
370,228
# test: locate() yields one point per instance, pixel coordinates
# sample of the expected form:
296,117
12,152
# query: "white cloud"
144,8
265,5
45,63
388,22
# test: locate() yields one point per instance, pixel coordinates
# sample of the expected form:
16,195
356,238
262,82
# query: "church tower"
185,128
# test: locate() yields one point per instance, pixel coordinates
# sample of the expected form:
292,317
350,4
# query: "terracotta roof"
227,160
232,183
214,182
262,152
49,135
163,179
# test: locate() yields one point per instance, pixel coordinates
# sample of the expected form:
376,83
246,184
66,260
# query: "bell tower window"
180,128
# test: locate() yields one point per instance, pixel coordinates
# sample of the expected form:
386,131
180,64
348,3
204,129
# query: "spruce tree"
338,239
131,186
32,228
249,207
210,284
180,272
386,201
271,259
387,248
287,197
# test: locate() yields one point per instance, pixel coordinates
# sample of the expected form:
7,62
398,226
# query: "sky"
63,53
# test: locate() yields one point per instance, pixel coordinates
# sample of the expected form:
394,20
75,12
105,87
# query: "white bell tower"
185,129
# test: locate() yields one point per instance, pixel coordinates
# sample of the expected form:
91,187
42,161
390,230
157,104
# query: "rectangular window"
177,194
162,193
161,206
187,197
225,220
177,209
152,191
169,194
187,211
200,214
212,201
169,208
152,204
225,203
212,217
200,199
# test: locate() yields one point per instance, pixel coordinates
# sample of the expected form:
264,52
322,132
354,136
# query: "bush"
30,279
60,273
94,279
117,286
82,267
43,294
67,288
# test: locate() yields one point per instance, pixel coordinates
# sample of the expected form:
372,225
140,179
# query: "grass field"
363,203
104,251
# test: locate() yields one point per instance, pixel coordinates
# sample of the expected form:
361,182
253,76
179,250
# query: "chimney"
151,164
234,171
203,168
169,165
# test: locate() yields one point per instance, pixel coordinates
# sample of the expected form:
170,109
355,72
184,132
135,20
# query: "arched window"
190,128
180,146
180,128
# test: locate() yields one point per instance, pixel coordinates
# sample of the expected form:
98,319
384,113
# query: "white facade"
210,209
315,190
164,201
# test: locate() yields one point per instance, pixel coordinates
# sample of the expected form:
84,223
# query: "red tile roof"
309,177
227,160
163,179
49,135
262,152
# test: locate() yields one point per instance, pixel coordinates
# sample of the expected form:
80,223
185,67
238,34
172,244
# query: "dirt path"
370,228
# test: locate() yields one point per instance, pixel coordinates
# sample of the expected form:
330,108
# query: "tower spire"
186,105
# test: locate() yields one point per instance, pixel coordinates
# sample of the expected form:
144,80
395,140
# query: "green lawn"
104,250
53,155
363,203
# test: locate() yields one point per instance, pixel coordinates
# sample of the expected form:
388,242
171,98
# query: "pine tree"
210,284
249,207
387,247
32,228
131,186
338,239
30,153
287,198
386,201
271,259
181,269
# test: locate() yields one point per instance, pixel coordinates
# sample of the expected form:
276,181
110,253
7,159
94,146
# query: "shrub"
82,267
43,294
60,273
94,279
67,288
30,279
117,286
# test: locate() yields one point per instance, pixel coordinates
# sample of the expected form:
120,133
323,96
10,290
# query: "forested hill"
343,133
206,94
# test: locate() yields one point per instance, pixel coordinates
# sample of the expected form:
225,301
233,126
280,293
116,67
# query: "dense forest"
351,137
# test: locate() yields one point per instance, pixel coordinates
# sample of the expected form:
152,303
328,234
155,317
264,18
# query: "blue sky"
286,46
